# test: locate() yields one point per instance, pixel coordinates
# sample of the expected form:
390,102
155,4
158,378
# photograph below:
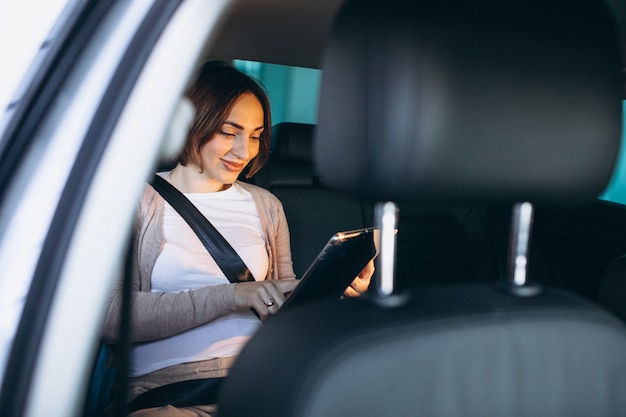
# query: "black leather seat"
435,244
460,102
467,350
612,294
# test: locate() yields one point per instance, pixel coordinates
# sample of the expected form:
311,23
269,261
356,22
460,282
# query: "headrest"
291,160
471,100
293,141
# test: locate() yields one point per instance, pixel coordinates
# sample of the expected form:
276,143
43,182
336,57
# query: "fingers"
362,282
351,292
286,285
368,271
357,287
264,305
266,297
269,299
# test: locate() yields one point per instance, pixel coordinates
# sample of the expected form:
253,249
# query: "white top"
185,264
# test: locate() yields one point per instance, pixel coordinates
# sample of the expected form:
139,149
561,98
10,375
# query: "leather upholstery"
435,244
471,351
427,100
612,292
291,158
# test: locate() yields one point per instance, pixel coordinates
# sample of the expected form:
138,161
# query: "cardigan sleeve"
159,315
284,263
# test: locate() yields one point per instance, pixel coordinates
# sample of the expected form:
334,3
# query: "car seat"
448,101
612,293
435,244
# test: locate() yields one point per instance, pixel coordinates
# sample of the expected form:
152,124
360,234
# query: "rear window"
293,91
616,190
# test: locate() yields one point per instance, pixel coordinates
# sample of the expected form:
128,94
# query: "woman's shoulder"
149,196
150,204
259,192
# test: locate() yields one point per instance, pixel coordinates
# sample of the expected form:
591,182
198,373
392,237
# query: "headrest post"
517,267
386,219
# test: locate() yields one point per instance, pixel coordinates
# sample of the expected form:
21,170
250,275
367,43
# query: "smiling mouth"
232,166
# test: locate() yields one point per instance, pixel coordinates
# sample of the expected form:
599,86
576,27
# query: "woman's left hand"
361,282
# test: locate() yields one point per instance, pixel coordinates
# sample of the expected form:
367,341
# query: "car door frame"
58,333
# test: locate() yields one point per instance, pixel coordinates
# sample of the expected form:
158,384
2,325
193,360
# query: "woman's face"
236,143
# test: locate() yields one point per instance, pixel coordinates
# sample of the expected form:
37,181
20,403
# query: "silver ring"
269,302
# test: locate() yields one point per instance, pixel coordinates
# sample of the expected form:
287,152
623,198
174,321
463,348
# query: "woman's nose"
241,147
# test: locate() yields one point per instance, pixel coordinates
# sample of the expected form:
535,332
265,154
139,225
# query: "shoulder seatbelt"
222,252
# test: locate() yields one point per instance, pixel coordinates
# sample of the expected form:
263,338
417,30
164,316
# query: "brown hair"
215,90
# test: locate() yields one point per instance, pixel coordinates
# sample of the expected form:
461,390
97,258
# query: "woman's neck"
189,179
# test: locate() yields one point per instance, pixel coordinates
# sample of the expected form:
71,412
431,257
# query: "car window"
616,190
293,91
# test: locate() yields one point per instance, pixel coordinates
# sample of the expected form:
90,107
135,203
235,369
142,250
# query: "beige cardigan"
159,315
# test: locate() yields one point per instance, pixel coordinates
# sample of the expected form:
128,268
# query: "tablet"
336,266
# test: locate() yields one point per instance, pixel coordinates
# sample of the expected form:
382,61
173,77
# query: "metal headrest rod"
386,214
519,244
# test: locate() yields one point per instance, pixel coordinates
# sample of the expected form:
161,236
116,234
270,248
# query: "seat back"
612,291
468,350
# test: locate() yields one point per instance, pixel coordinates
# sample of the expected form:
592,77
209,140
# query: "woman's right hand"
266,297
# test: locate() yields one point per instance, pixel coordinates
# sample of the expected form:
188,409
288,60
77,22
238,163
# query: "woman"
189,322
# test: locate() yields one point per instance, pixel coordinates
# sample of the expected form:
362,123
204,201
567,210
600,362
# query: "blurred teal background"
293,91
616,190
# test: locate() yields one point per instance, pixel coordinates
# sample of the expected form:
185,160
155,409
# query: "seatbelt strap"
179,394
222,252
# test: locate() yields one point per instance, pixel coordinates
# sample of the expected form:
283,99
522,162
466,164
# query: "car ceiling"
294,32
290,32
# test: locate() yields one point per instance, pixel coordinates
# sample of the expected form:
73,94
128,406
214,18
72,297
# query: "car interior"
445,242
529,347
456,313
482,138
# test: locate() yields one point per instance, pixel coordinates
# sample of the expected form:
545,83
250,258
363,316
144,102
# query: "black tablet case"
336,266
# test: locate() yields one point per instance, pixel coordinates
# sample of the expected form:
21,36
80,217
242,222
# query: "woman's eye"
227,134
255,137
